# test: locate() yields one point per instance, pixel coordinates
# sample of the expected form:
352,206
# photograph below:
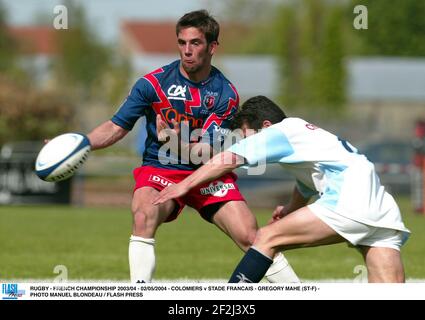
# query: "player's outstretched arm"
220,164
105,135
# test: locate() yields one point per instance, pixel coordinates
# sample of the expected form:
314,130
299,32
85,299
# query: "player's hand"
171,192
278,214
163,130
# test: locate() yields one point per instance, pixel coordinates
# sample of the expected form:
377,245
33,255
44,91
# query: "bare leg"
383,264
146,220
236,220
146,216
302,228
299,229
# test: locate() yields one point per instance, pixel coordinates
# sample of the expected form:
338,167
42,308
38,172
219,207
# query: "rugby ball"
62,156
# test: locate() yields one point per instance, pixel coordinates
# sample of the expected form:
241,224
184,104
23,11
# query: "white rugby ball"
62,156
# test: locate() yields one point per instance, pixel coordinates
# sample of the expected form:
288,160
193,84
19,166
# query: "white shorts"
356,206
360,234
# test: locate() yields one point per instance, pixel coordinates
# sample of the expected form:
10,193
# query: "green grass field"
92,243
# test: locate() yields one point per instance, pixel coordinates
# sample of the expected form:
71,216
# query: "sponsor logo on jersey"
209,101
174,114
221,130
177,92
160,180
311,126
217,189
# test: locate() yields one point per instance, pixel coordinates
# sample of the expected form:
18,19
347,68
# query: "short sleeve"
268,146
135,105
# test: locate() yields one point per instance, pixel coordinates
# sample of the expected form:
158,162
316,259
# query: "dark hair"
201,20
255,111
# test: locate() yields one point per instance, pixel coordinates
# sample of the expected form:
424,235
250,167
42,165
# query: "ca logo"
177,92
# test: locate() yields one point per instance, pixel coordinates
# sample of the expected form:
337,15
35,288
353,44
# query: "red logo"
311,126
160,180
209,101
174,114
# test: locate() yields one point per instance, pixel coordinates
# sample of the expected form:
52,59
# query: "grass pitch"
92,243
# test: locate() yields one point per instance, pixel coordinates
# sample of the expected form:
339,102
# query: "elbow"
105,135
117,131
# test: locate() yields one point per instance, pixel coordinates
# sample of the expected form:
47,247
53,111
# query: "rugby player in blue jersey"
349,203
190,91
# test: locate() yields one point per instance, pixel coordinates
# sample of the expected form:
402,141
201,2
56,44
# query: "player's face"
195,52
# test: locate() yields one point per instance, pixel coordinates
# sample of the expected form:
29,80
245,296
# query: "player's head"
256,113
197,37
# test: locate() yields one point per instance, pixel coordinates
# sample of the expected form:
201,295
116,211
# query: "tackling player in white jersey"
350,204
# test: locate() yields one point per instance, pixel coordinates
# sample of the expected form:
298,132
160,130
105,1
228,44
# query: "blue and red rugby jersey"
208,105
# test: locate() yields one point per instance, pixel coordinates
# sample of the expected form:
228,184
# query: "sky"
105,15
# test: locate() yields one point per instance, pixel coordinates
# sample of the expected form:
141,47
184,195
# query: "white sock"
141,257
281,271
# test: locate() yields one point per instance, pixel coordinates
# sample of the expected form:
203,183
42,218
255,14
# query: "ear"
213,47
266,123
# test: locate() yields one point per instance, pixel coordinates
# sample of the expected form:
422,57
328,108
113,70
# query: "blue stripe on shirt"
270,145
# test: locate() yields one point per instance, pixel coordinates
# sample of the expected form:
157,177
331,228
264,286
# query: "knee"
383,264
244,239
144,218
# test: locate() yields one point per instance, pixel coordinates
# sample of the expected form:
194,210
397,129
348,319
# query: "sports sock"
281,271
251,268
141,256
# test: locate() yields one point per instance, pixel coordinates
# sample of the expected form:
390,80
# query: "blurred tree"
328,72
395,28
26,114
34,115
85,70
288,32
90,68
312,55
247,11
253,19
307,37
82,57
8,47
116,81
311,19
